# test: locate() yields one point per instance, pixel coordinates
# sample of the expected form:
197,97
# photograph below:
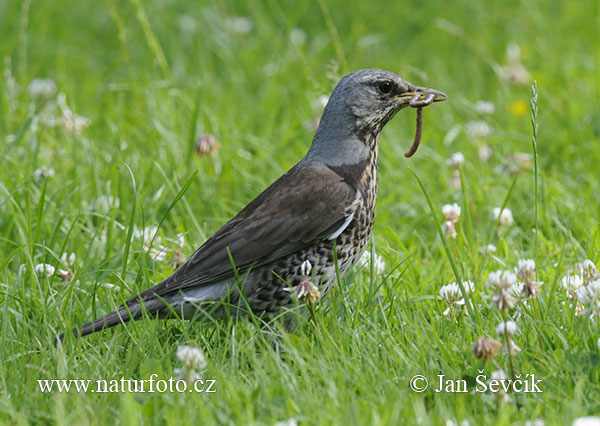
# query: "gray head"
360,105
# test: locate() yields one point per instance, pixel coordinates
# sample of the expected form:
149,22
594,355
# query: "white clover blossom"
590,294
449,229
44,269
238,25
41,88
450,292
525,269
457,159
571,283
451,212
43,172
68,259
378,262
590,272
485,107
289,422
484,152
490,248
297,36
587,421
502,284
71,122
453,296
505,217
508,328
501,279
106,202
305,268
478,130
191,357
499,375
180,240
147,235
305,291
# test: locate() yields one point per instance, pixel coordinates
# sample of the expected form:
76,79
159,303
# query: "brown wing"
303,206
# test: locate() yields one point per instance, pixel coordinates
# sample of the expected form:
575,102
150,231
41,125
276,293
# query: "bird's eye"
385,87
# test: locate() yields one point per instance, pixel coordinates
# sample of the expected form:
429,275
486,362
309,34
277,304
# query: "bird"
310,225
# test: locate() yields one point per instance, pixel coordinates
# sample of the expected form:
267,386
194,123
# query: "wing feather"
305,205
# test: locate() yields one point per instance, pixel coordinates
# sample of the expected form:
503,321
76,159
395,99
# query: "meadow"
101,107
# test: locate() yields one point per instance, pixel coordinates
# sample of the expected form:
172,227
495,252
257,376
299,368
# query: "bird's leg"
418,133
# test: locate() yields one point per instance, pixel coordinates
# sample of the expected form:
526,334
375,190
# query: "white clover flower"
589,297
41,88
191,357
43,172
455,160
516,73
571,283
478,130
590,272
238,25
452,295
485,107
297,36
513,52
525,269
505,216
449,230
508,328
158,254
305,268
44,269
450,292
187,23
486,348
501,279
451,212
305,291
490,248
590,293
289,422
106,202
68,259
452,134
147,235
71,122
378,262
484,152
587,421
502,284
499,375
180,240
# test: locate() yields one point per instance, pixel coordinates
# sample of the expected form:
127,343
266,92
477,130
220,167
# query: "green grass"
152,75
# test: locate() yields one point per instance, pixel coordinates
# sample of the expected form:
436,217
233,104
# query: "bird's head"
360,105
373,97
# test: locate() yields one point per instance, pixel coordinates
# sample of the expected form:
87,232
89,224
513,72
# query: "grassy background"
151,76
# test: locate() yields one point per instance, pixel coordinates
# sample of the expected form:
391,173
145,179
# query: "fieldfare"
292,235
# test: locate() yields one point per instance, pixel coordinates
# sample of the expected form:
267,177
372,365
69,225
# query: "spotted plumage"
325,203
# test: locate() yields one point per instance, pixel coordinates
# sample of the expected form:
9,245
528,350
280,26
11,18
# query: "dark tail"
121,316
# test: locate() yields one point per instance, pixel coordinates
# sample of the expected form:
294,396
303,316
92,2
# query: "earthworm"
418,133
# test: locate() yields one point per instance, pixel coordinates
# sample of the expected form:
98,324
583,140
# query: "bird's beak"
422,96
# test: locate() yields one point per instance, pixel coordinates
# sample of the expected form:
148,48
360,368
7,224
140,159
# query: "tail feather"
121,316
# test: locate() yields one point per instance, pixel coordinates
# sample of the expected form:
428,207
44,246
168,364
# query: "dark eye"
385,87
